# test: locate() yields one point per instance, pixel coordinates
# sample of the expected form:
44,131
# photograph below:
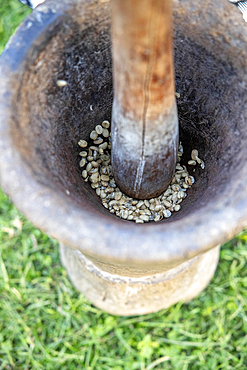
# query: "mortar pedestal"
124,295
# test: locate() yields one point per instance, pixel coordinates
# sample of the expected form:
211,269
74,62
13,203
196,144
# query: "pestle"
144,114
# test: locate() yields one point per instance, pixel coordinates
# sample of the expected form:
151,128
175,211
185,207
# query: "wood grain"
144,117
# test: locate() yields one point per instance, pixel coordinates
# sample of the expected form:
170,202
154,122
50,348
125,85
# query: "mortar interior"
49,121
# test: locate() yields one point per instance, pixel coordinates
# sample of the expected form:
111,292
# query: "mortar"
123,267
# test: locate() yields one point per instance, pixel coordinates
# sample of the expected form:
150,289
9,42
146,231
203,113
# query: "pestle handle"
144,115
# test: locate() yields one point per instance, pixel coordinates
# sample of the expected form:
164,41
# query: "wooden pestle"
144,115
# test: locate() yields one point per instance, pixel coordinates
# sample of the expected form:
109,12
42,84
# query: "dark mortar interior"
49,121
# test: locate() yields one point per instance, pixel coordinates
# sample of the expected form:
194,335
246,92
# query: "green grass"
46,324
11,15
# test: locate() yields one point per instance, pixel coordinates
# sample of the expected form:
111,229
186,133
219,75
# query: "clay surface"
129,296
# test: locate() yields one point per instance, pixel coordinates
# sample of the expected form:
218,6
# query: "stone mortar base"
126,296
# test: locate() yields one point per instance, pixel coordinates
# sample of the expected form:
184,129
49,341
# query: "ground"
46,324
